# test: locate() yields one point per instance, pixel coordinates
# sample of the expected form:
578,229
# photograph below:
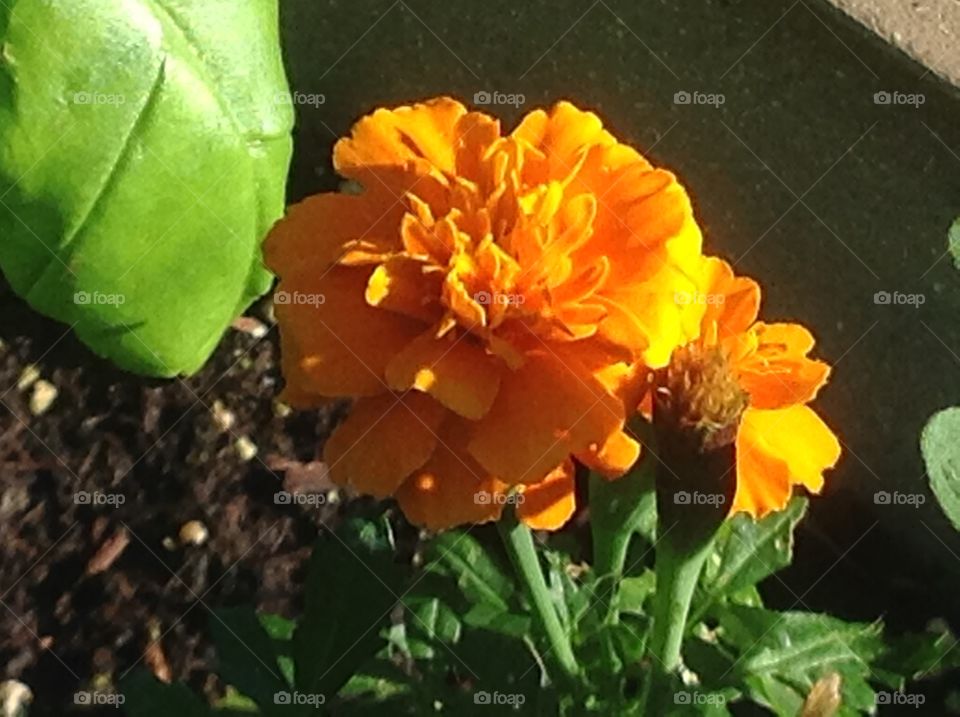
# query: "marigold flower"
747,382
484,299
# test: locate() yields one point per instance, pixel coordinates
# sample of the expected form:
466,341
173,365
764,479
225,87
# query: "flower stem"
677,576
519,543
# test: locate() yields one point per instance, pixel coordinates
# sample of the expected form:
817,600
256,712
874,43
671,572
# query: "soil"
85,587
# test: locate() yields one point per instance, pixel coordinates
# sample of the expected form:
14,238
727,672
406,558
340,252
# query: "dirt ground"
87,588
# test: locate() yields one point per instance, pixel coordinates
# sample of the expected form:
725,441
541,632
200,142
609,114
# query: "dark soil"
65,620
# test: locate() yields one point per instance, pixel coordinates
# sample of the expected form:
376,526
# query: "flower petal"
778,373
451,489
545,410
383,440
733,302
614,457
404,285
548,505
777,449
453,369
340,347
315,233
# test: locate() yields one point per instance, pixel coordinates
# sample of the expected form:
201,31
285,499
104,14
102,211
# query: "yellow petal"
777,449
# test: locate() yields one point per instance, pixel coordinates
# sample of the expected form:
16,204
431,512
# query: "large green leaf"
148,697
352,583
940,444
247,657
144,146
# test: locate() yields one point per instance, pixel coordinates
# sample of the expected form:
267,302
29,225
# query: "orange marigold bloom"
747,381
484,299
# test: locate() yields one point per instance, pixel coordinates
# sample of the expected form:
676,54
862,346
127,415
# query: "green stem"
677,576
519,543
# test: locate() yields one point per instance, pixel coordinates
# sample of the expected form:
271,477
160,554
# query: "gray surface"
799,177
927,30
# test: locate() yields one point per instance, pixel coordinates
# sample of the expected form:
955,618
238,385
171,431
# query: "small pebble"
223,416
251,326
44,394
281,410
14,698
28,377
246,449
169,544
194,532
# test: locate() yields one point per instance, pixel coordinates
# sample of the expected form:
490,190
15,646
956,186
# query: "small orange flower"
747,381
484,300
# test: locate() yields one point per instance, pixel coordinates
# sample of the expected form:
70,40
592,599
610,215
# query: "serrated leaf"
940,445
747,550
782,655
146,696
462,557
917,656
430,621
489,617
144,156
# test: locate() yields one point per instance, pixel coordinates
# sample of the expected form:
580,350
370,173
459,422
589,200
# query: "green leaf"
746,551
635,591
144,157
146,696
490,617
281,632
462,557
781,655
621,508
430,622
247,657
917,656
352,583
940,445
